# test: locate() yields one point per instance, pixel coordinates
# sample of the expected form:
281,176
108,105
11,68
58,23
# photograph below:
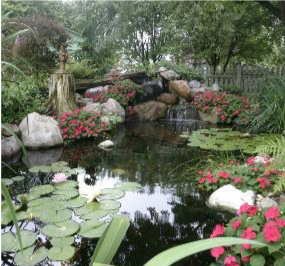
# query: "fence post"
239,72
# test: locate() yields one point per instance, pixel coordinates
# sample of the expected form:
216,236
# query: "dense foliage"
266,226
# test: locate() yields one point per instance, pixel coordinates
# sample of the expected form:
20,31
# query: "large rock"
84,101
93,108
103,89
151,110
9,148
40,131
12,127
151,90
113,107
230,198
180,88
194,84
168,98
211,117
169,75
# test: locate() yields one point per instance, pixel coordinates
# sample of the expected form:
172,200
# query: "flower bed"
80,124
123,92
230,108
253,175
266,226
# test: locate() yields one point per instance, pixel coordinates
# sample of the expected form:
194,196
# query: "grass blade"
110,241
175,254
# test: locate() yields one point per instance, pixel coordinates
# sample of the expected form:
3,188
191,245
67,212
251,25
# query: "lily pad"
29,257
59,168
22,215
67,192
24,198
61,253
62,241
66,184
92,229
42,189
66,228
50,216
128,186
49,204
111,193
95,215
7,182
62,163
10,242
88,208
76,202
39,201
6,217
18,178
109,205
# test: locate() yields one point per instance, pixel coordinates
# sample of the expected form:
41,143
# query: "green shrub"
23,97
232,88
271,103
81,70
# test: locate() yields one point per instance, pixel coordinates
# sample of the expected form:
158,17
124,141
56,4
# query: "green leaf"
62,229
42,189
66,184
279,262
92,229
7,182
18,178
10,243
88,208
61,253
24,198
274,247
128,186
109,205
175,254
110,240
67,192
76,202
111,193
95,215
62,241
22,215
257,260
29,257
50,216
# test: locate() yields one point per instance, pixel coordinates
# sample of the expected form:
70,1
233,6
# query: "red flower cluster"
230,108
248,209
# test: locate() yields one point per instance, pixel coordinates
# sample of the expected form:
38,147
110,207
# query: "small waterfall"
181,113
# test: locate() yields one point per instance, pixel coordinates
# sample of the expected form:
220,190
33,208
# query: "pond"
165,212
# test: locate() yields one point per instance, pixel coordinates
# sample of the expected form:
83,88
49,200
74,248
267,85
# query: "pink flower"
280,222
263,182
217,252
59,177
245,259
248,233
236,224
230,260
237,180
224,175
272,213
202,180
200,172
248,209
218,230
213,180
250,161
271,232
255,169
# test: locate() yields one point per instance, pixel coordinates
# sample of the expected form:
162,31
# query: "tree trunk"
61,94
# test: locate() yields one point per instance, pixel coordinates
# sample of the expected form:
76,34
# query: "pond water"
166,212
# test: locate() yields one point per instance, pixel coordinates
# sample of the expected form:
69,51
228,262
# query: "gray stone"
151,110
267,202
194,84
13,127
230,198
106,144
151,90
169,75
9,148
113,107
40,131
93,108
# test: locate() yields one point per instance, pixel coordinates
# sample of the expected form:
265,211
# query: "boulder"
211,117
168,98
97,89
267,203
230,198
113,107
194,84
84,101
106,144
180,88
169,75
78,97
9,148
151,110
151,90
13,127
93,108
40,131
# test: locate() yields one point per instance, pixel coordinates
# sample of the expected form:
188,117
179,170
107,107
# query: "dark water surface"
166,212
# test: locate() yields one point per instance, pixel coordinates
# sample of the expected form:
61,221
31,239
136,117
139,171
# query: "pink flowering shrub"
230,108
254,175
266,226
80,124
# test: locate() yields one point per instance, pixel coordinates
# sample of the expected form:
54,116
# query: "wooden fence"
245,77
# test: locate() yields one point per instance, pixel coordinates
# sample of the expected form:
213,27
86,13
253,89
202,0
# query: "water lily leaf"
62,229
88,208
18,178
39,201
61,253
61,163
6,217
62,241
49,204
109,205
111,193
7,182
50,216
59,168
128,186
22,215
29,257
95,215
42,189
76,202
67,192
25,197
59,197
92,229
10,243
66,184
35,169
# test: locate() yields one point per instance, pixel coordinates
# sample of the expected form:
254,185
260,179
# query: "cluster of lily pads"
226,139
62,213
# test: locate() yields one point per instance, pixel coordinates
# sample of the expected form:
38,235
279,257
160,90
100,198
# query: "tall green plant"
271,103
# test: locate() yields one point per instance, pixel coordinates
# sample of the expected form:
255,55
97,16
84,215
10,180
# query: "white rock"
40,131
92,107
98,89
194,84
113,107
230,198
106,144
267,203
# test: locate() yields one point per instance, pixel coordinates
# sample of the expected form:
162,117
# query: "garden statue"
61,88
